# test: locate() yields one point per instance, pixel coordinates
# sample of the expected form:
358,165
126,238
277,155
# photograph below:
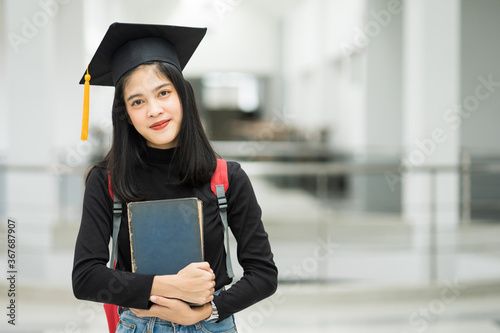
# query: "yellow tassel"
85,119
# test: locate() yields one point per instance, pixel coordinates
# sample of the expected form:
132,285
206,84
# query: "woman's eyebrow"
133,96
163,85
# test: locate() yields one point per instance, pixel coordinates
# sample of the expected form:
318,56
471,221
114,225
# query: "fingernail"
153,298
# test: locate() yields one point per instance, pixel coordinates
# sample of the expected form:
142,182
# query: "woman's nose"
155,109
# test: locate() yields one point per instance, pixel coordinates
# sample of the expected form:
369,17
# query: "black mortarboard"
128,45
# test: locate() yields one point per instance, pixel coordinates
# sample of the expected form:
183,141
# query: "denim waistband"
127,313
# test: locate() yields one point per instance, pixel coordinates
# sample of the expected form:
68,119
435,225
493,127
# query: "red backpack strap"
117,216
220,176
112,316
111,310
110,187
219,185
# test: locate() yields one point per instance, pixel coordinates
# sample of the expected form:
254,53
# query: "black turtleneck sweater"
92,280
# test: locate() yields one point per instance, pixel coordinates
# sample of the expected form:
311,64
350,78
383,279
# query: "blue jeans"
130,323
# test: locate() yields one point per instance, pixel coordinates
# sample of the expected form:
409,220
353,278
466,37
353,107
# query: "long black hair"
194,154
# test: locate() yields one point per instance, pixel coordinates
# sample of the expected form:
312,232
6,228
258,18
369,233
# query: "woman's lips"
160,125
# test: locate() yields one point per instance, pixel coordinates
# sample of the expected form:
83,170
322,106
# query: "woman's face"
153,106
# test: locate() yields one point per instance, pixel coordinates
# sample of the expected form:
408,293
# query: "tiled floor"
383,310
301,308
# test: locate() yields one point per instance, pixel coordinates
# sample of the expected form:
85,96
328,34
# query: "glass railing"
336,220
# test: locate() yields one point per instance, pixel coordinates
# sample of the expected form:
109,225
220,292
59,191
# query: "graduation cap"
128,45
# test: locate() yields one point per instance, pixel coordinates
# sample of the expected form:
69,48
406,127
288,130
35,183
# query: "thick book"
165,235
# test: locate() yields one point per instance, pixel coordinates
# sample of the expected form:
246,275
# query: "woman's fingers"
163,301
140,312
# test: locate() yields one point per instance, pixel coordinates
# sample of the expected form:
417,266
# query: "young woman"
160,151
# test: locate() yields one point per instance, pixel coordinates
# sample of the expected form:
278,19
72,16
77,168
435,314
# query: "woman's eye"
137,102
163,93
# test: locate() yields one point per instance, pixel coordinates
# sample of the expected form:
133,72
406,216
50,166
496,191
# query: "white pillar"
431,32
37,92
383,23
382,107
3,87
4,114
31,195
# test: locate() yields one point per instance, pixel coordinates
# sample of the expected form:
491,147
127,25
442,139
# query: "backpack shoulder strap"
117,217
219,185
220,176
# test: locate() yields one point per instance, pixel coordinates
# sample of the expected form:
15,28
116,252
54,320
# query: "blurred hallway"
373,285
369,129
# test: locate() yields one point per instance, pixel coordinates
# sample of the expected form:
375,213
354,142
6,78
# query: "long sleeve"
253,249
92,280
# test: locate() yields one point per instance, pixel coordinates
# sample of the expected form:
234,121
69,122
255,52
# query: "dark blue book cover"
165,235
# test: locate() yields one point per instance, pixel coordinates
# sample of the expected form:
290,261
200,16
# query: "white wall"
480,57
321,88
383,87
302,55
346,64
341,75
68,64
239,36
42,109
4,110
244,39
344,20
380,117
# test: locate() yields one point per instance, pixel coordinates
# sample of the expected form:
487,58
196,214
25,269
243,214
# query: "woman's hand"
175,310
194,284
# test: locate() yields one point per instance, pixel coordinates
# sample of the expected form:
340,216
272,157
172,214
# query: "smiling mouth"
160,125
